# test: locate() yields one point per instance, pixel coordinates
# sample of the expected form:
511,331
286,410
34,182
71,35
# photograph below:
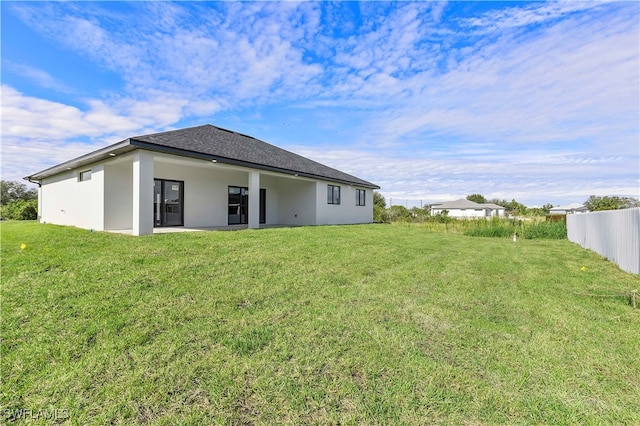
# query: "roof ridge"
203,139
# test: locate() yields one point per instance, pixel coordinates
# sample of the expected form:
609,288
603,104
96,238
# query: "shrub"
547,230
491,231
398,214
496,227
442,217
505,228
20,210
380,214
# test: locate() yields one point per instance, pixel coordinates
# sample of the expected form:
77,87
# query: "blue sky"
537,101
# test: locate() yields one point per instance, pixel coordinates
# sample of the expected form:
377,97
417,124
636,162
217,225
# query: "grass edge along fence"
496,227
505,228
613,234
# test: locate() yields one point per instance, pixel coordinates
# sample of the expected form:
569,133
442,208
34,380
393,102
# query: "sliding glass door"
238,210
238,205
168,202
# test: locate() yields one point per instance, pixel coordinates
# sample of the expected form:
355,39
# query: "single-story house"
569,209
198,177
464,208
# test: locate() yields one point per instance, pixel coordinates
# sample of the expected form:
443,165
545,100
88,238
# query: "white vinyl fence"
614,234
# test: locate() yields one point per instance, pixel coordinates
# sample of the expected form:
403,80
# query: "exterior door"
168,202
238,211
238,205
263,205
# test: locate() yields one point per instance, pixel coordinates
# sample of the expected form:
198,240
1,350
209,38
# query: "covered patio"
176,229
158,193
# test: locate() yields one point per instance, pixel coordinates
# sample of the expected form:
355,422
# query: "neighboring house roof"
458,204
492,206
215,143
570,207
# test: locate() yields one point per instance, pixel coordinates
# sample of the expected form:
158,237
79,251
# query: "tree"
13,191
380,214
540,211
443,217
477,198
516,208
398,213
378,200
17,202
610,202
420,212
499,202
630,202
20,210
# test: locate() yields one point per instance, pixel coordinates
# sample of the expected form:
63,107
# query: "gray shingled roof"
458,204
235,148
570,207
214,143
463,203
493,206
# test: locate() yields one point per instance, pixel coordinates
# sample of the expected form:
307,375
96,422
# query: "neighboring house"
464,208
494,210
569,209
201,176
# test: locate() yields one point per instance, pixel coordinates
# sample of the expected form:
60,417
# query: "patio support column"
254,200
142,193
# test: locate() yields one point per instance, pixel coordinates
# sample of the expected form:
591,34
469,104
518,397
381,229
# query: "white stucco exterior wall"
470,213
65,200
462,213
106,201
347,211
118,195
270,183
297,202
206,190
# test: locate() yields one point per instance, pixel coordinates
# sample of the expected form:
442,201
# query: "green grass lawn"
372,324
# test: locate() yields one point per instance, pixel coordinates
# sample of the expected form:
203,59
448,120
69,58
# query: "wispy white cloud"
232,52
575,81
38,76
27,116
532,175
37,133
529,14
26,154
515,99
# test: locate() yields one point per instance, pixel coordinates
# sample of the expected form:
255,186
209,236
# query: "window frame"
331,194
84,175
361,197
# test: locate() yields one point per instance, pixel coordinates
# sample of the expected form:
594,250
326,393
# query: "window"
84,175
333,194
361,197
